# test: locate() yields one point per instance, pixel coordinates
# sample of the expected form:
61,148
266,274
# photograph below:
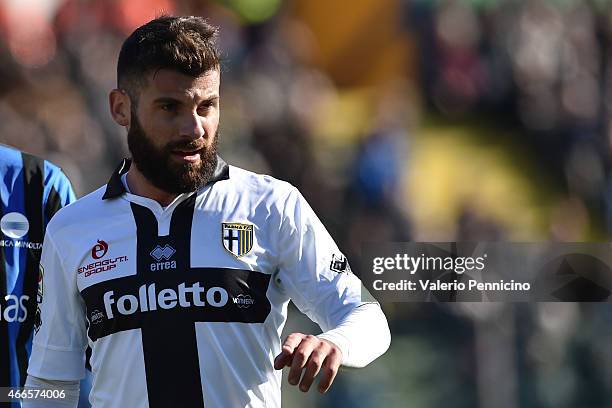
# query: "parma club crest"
237,238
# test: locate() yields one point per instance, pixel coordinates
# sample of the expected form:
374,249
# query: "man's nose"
192,127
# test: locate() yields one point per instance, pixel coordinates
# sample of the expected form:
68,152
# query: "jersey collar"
115,187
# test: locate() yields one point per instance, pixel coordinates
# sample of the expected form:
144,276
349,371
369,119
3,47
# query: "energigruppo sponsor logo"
15,225
243,301
99,250
150,299
101,266
15,309
164,254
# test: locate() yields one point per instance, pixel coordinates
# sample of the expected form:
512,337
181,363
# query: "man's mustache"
186,145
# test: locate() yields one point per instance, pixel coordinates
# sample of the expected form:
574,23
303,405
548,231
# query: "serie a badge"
237,238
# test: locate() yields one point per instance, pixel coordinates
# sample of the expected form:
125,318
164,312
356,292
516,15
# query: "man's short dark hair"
183,44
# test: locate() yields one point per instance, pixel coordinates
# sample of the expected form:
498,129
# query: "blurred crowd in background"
398,120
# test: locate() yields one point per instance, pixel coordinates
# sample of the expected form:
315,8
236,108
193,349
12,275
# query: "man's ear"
120,106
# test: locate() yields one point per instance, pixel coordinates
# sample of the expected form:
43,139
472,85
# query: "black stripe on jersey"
169,335
54,203
235,281
5,366
171,359
33,189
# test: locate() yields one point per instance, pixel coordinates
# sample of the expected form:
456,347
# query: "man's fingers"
301,354
299,351
312,369
282,360
286,355
329,370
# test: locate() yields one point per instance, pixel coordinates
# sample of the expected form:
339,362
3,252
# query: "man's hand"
301,350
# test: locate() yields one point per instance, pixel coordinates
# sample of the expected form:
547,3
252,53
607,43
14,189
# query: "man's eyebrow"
210,98
169,99
166,99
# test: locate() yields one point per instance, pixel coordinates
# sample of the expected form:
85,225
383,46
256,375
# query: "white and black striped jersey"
184,305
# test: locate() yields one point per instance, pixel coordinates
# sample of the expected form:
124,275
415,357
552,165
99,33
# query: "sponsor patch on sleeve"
339,264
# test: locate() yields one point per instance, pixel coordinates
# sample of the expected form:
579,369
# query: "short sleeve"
313,272
58,347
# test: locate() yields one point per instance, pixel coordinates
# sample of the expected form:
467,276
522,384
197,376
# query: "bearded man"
179,271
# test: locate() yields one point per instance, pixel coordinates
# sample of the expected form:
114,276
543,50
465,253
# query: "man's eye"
203,108
168,107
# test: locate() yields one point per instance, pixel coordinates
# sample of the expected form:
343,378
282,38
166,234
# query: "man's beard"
157,165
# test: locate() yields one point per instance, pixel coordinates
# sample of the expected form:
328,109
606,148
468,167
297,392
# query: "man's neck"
140,185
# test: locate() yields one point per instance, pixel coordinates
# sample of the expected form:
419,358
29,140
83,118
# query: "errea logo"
160,253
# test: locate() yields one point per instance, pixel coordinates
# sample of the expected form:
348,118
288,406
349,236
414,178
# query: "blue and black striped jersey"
32,190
